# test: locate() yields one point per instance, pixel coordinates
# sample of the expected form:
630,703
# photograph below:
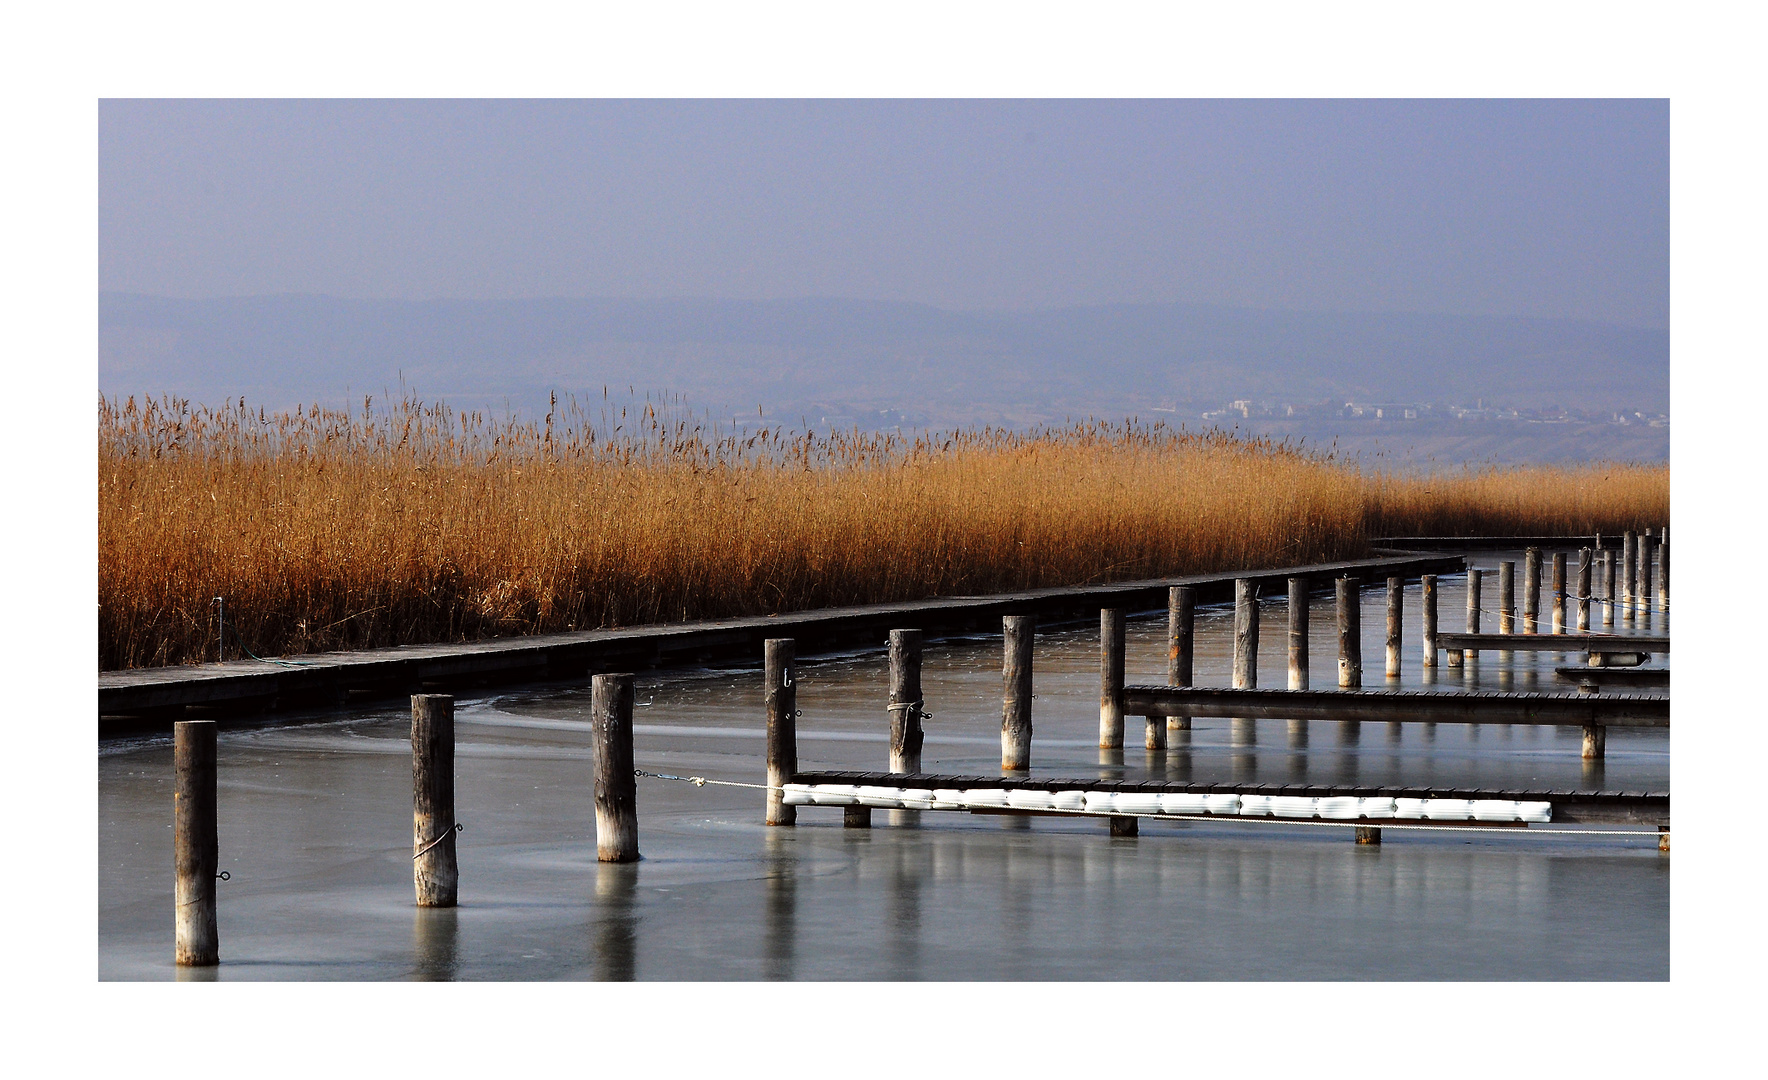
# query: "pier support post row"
1608,588
1395,591
1428,603
1531,590
1558,587
1181,607
616,788
1110,678
196,848
1298,633
1629,563
781,697
1245,634
905,701
1350,633
1017,632
435,873
1583,587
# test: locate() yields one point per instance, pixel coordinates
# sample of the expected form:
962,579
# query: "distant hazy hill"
858,359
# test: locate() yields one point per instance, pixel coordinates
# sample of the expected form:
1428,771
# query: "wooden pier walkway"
1568,708
154,697
1567,643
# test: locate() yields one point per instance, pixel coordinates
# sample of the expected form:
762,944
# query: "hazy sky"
1546,208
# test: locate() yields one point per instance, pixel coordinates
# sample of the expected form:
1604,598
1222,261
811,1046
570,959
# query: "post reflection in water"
1111,763
782,906
906,876
435,943
616,922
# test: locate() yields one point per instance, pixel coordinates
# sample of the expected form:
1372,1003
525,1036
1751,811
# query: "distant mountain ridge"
909,360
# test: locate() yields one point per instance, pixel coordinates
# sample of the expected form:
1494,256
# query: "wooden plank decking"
1403,706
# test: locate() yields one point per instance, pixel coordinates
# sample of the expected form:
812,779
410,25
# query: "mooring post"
1350,634
1647,547
1395,587
1245,634
1629,562
1474,577
196,846
1018,631
905,701
1531,590
1663,596
1298,633
434,870
1429,605
1583,585
1181,606
1595,741
1507,597
1608,588
1558,587
779,656
1110,678
616,786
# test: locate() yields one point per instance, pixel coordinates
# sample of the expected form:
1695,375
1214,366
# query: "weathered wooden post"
779,661
1595,741
1298,633
1663,596
1558,587
905,701
1531,590
434,870
1629,560
1429,606
1394,624
1507,597
1018,631
1110,678
196,845
1584,588
1647,547
1608,588
1368,834
1181,606
616,786
1350,634
1474,577
1245,634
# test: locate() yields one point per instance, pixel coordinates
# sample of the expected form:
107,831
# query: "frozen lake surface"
315,828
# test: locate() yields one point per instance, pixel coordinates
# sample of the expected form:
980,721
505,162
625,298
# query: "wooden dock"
1564,708
1569,806
1566,643
154,697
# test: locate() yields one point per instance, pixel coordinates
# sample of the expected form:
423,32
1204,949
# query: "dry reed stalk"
329,529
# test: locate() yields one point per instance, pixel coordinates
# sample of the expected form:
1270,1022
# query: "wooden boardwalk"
1569,806
1568,643
153,697
1403,706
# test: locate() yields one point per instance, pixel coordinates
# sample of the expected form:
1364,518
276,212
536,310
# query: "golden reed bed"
412,523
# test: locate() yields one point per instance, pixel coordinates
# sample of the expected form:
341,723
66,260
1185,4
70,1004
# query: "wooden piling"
1368,834
1583,586
1428,604
1647,549
1474,578
1608,588
196,848
1558,587
905,701
1507,597
1181,605
1629,563
1595,742
781,697
616,787
1350,633
1663,594
435,873
1245,634
1395,591
1531,590
856,817
1110,678
1298,633
1123,826
1017,632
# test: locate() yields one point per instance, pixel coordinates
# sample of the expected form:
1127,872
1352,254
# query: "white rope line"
1372,823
